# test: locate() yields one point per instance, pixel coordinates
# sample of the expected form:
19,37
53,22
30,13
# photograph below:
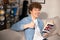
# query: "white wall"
51,7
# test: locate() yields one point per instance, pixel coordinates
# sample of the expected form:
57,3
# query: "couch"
9,34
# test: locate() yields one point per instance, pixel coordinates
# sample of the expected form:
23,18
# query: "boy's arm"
19,25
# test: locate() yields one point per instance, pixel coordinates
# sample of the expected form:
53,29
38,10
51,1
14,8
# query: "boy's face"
35,12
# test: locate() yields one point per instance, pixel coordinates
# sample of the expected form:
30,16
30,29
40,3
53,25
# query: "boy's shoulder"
26,19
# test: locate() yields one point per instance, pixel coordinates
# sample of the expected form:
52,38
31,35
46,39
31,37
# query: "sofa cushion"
55,35
9,34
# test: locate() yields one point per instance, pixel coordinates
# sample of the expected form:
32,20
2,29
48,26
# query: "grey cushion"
11,35
56,34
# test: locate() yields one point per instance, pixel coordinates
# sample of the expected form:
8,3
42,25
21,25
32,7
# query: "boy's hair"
34,5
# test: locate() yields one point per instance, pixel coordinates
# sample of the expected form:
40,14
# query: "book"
49,25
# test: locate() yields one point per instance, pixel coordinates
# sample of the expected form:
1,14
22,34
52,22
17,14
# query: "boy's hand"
29,25
45,35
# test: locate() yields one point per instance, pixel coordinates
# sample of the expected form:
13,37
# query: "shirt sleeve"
19,25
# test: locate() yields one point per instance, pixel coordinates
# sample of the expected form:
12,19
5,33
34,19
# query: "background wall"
51,7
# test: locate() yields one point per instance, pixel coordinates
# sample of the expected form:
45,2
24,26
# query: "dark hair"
34,5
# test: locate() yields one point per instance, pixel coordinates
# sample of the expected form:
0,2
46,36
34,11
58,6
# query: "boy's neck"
33,18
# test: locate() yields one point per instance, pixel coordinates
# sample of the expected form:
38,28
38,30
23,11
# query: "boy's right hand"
30,25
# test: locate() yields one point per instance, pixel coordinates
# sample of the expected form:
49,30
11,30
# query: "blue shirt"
29,32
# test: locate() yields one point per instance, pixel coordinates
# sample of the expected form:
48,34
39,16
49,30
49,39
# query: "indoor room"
19,19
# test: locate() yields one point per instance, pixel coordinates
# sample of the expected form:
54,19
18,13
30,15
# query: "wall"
51,7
